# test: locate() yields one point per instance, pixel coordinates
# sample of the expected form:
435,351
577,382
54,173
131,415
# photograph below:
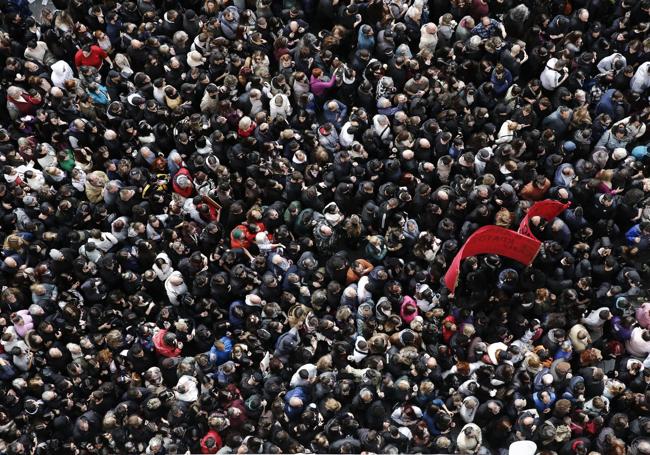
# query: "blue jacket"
501,85
286,344
607,106
634,232
570,393
100,96
222,356
559,179
365,42
113,32
295,413
235,321
336,118
540,405
7,371
19,6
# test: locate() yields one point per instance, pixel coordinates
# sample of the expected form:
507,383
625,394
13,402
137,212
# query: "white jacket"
61,72
428,40
607,63
174,292
641,79
163,272
469,444
284,109
636,345
106,242
297,381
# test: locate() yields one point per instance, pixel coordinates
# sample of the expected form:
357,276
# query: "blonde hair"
14,242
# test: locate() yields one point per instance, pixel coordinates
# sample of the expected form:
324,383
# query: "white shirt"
641,79
607,63
550,78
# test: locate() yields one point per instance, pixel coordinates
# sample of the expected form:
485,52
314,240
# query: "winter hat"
640,151
56,254
484,154
194,59
569,146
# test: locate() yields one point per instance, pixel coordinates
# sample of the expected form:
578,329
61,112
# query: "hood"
575,381
522,448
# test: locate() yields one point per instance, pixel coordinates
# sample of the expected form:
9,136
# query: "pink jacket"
319,87
643,315
27,324
407,318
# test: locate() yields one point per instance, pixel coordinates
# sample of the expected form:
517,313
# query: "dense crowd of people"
225,225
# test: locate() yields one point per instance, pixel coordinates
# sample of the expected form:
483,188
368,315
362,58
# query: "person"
92,55
21,103
554,74
639,235
226,227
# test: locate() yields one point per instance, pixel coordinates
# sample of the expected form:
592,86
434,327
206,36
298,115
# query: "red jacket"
27,107
217,442
242,242
162,348
248,132
447,333
185,192
96,57
249,237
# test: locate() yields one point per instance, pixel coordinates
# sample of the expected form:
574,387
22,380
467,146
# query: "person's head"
583,15
620,131
565,112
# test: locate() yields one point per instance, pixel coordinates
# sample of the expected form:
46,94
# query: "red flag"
493,240
547,209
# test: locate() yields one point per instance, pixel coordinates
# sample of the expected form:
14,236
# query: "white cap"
522,448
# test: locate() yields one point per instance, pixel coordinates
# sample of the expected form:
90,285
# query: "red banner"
493,240
547,209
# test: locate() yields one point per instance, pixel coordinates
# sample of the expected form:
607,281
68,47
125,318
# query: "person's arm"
604,139
525,58
564,77
111,238
357,22
623,121
632,234
344,111
103,55
77,59
332,80
14,113
503,30
604,64
289,108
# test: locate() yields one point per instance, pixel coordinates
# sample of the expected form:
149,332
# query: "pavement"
37,6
